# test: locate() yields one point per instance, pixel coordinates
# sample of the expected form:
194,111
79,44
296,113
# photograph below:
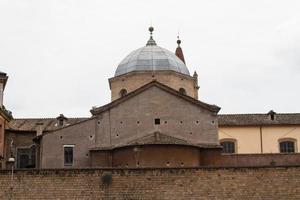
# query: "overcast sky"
59,53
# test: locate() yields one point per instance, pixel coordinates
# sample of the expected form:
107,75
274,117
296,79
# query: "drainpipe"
261,140
37,141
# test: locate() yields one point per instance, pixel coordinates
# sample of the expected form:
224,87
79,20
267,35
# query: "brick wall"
2,122
133,80
213,157
131,184
132,119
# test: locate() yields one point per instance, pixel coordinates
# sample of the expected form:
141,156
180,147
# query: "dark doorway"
26,157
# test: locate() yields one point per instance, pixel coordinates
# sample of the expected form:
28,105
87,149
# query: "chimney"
61,120
39,129
3,80
272,114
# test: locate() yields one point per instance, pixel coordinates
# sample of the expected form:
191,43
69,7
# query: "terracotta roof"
259,119
50,124
156,139
5,113
31,124
116,102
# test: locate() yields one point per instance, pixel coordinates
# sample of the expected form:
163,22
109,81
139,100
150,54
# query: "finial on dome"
178,41
179,52
151,42
151,29
195,74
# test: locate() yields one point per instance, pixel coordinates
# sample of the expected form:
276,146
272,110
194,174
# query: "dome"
151,58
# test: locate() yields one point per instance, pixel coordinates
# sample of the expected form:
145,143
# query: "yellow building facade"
260,133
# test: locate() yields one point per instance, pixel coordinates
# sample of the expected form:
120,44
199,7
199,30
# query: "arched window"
229,145
123,92
182,91
287,145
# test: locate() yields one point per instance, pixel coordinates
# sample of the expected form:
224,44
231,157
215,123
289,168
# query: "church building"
155,119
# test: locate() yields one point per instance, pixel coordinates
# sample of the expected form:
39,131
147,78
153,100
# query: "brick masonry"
133,80
133,184
131,120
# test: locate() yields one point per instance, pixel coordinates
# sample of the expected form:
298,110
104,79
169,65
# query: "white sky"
59,53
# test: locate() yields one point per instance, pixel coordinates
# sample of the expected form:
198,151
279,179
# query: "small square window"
156,121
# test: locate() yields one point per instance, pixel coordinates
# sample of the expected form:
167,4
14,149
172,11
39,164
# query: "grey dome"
151,58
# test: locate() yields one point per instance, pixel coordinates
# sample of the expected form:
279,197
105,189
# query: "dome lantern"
151,41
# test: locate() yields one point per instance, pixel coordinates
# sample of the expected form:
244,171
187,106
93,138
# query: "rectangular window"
228,147
68,155
287,147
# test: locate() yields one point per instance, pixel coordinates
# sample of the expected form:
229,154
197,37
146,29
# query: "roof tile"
258,119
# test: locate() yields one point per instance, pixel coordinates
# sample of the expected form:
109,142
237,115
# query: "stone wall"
131,184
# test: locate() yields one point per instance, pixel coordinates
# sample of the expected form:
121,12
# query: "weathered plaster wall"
20,139
247,138
271,136
257,139
81,135
152,184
